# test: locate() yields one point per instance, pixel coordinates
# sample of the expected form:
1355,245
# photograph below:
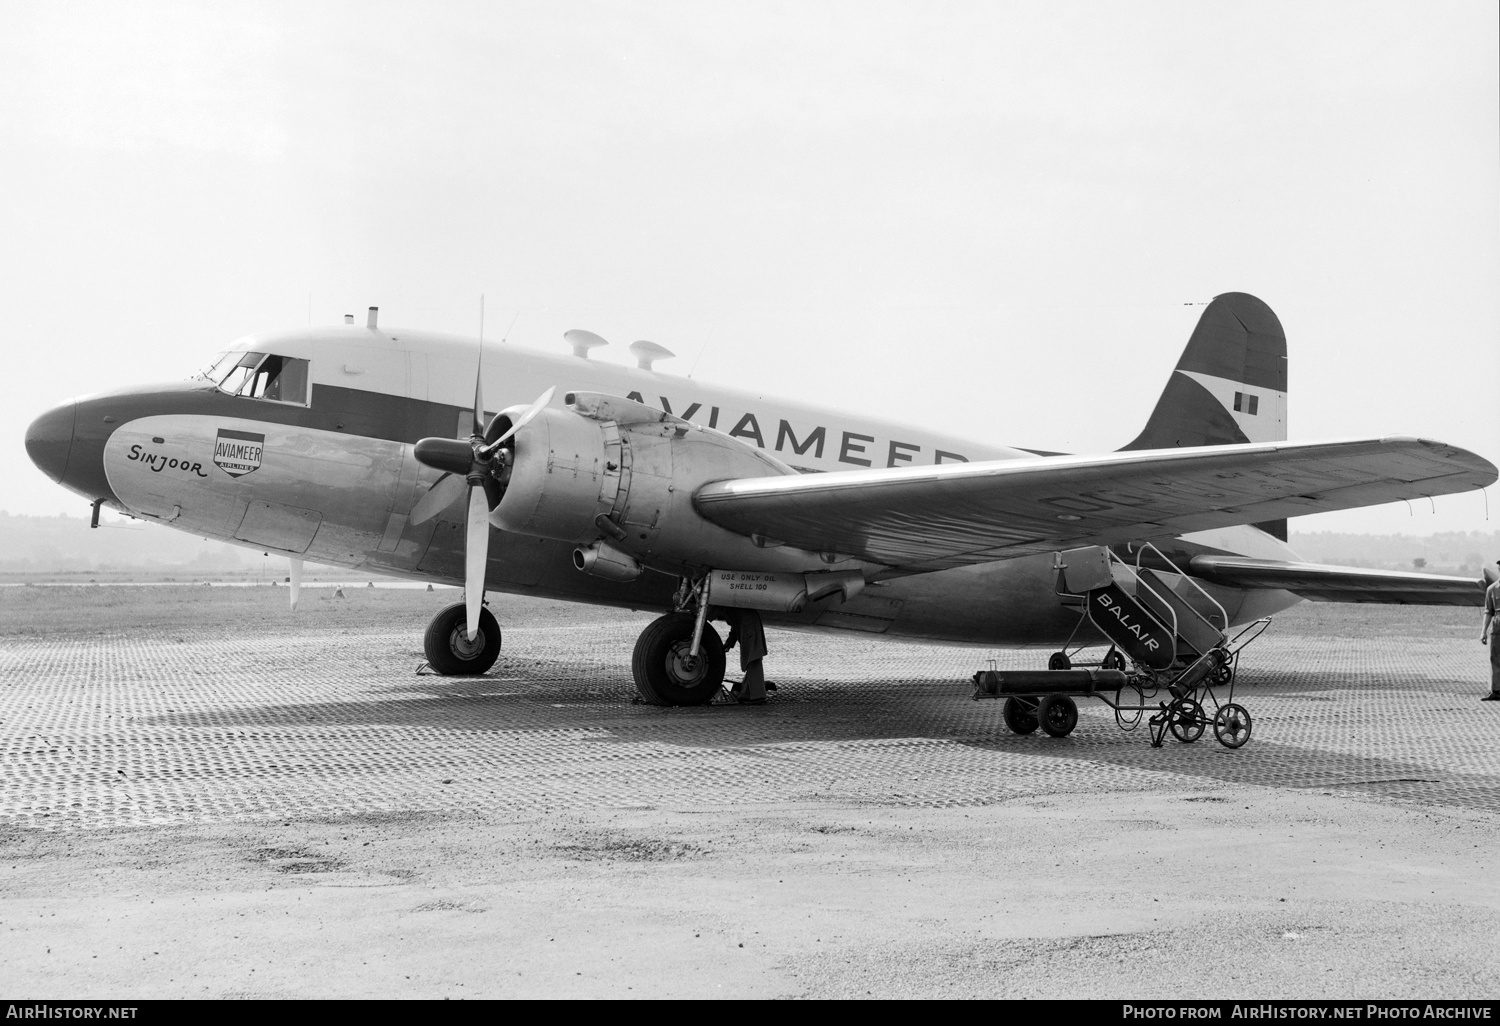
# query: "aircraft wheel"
1059,661
448,648
1187,720
1059,715
665,674
1232,725
1020,716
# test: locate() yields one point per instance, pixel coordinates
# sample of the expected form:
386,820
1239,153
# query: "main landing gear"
679,658
448,648
666,671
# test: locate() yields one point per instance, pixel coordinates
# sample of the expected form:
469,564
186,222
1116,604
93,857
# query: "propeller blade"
479,395
294,575
525,418
476,551
444,493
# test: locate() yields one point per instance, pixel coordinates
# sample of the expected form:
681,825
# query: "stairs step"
1192,628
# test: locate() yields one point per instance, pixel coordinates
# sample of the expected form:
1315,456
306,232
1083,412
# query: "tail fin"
1229,385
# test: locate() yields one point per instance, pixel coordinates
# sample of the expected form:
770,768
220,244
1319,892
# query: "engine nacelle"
616,471
564,475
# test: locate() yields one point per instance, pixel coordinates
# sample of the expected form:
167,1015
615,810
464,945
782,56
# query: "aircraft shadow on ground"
547,695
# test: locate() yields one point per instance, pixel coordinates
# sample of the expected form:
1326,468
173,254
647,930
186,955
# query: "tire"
1020,716
1232,725
665,674
1186,720
1113,660
448,648
1059,715
1059,661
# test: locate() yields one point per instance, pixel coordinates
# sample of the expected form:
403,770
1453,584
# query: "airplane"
360,446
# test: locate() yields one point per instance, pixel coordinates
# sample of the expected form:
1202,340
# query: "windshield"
238,372
218,367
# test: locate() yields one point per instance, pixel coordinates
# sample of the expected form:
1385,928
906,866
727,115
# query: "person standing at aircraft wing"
1487,637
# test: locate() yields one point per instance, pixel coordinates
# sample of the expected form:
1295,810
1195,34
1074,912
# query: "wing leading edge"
919,519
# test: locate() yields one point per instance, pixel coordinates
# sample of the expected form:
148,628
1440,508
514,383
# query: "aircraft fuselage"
332,478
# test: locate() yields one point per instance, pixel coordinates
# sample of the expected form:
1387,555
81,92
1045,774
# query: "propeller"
481,468
526,418
294,578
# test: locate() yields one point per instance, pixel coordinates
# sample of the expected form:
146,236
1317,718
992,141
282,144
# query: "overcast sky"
997,219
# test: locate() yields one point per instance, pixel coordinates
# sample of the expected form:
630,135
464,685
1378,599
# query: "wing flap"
930,518
1341,583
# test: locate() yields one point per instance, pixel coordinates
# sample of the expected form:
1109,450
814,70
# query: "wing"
1341,583
916,519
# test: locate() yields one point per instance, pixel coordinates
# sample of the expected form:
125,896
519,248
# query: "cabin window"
262,376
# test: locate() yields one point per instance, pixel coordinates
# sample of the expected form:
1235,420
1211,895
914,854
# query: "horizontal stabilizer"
1340,583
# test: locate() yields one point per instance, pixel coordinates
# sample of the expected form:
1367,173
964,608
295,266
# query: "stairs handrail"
1143,583
1141,551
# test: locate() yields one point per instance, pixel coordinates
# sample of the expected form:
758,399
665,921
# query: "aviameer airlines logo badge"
237,453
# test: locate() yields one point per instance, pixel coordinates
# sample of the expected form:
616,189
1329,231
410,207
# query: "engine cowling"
616,471
565,473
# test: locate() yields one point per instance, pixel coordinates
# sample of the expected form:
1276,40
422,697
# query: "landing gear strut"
448,648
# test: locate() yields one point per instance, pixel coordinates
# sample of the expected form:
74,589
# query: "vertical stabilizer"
1229,385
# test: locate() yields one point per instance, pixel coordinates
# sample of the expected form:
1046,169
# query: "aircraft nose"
49,440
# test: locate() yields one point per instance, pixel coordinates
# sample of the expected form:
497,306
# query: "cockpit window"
261,376
282,378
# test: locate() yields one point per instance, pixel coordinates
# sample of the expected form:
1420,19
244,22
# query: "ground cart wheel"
1059,715
1059,661
1113,660
1232,725
1020,715
1187,720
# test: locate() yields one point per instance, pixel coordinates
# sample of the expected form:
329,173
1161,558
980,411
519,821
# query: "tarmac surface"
203,795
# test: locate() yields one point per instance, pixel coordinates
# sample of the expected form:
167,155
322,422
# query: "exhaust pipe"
606,561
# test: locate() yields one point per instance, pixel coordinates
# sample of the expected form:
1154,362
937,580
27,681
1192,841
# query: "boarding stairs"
1174,634
1150,610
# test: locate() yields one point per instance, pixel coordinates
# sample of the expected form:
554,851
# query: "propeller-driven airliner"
501,468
